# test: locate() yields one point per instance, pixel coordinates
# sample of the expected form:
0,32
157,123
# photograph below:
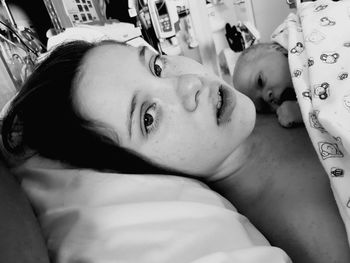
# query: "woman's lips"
228,104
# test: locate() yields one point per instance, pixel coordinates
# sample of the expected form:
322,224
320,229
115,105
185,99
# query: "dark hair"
49,124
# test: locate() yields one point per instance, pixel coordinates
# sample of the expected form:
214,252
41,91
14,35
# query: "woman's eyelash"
150,119
156,65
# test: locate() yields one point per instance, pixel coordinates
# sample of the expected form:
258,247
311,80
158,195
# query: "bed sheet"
317,38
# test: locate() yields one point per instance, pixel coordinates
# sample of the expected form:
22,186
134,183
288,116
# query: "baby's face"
263,79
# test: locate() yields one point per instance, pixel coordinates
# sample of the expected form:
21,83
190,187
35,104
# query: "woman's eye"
156,66
150,119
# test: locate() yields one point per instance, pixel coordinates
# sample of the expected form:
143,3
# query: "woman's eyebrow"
133,103
142,51
131,113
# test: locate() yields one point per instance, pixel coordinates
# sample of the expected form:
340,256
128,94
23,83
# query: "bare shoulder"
285,192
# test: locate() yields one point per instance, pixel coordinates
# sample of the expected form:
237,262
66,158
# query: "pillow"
100,217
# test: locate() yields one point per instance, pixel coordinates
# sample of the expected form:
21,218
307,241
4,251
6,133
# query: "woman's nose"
188,89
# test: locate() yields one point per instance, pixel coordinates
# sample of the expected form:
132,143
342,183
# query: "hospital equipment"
84,19
69,13
172,27
19,49
163,15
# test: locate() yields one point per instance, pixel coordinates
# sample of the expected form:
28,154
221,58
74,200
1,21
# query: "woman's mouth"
224,105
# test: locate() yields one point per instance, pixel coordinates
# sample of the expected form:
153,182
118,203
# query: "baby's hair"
251,52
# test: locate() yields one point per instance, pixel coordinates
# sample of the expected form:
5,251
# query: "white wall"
268,14
209,24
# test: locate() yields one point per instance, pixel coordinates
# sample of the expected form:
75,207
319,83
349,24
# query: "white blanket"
317,38
87,216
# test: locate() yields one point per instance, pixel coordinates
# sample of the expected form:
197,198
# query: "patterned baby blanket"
317,38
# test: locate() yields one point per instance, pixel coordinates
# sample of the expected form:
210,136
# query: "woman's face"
168,109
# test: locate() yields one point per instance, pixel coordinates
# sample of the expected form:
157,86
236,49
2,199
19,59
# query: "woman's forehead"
108,51
107,60
102,78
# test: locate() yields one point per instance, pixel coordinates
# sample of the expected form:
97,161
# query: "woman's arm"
285,192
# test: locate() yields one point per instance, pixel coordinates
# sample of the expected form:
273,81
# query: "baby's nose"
188,89
269,95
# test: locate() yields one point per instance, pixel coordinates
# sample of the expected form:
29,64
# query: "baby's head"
262,73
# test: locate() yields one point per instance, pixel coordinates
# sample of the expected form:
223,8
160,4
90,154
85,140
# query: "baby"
262,73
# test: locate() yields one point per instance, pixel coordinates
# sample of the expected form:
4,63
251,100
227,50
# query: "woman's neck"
235,162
